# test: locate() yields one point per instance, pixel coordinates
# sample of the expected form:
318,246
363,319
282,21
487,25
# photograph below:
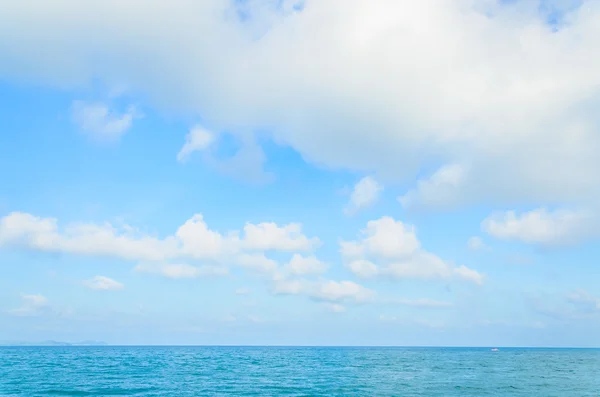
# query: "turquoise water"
303,371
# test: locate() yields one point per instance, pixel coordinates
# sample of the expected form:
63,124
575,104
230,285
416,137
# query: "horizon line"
103,344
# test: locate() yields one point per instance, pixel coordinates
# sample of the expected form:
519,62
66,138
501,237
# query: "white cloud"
98,120
182,270
289,287
102,283
328,291
258,263
32,305
269,236
365,193
489,84
305,265
465,273
384,238
390,248
192,240
540,226
242,291
363,268
475,243
441,190
42,234
197,139
341,291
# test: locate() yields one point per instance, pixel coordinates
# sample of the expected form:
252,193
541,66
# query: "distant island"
53,343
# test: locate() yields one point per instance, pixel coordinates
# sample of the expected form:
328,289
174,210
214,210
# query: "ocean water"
302,371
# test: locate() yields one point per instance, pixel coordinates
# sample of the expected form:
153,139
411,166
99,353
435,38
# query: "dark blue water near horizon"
297,371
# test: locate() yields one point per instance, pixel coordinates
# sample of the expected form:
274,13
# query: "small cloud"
102,283
468,274
32,305
304,265
181,270
100,122
242,291
365,193
543,227
475,243
197,139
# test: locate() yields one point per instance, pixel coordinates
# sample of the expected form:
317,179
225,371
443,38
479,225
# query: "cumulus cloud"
543,227
365,193
103,283
490,84
99,121
268,236
182,270
192,240
305,265
197,139
32,305
390,248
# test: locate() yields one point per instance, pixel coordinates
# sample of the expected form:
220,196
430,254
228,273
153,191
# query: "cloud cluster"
389,248
487,89
192,241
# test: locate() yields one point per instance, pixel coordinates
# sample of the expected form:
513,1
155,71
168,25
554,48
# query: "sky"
335,172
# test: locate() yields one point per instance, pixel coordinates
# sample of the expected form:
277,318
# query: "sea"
297,371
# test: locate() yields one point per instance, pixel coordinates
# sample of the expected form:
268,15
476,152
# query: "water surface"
302,371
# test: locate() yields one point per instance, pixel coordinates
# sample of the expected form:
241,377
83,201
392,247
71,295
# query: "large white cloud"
383,86
540,226
390,248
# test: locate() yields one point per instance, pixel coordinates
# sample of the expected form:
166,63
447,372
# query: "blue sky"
387,173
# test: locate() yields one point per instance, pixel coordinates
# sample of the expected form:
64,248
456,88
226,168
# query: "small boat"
495,349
